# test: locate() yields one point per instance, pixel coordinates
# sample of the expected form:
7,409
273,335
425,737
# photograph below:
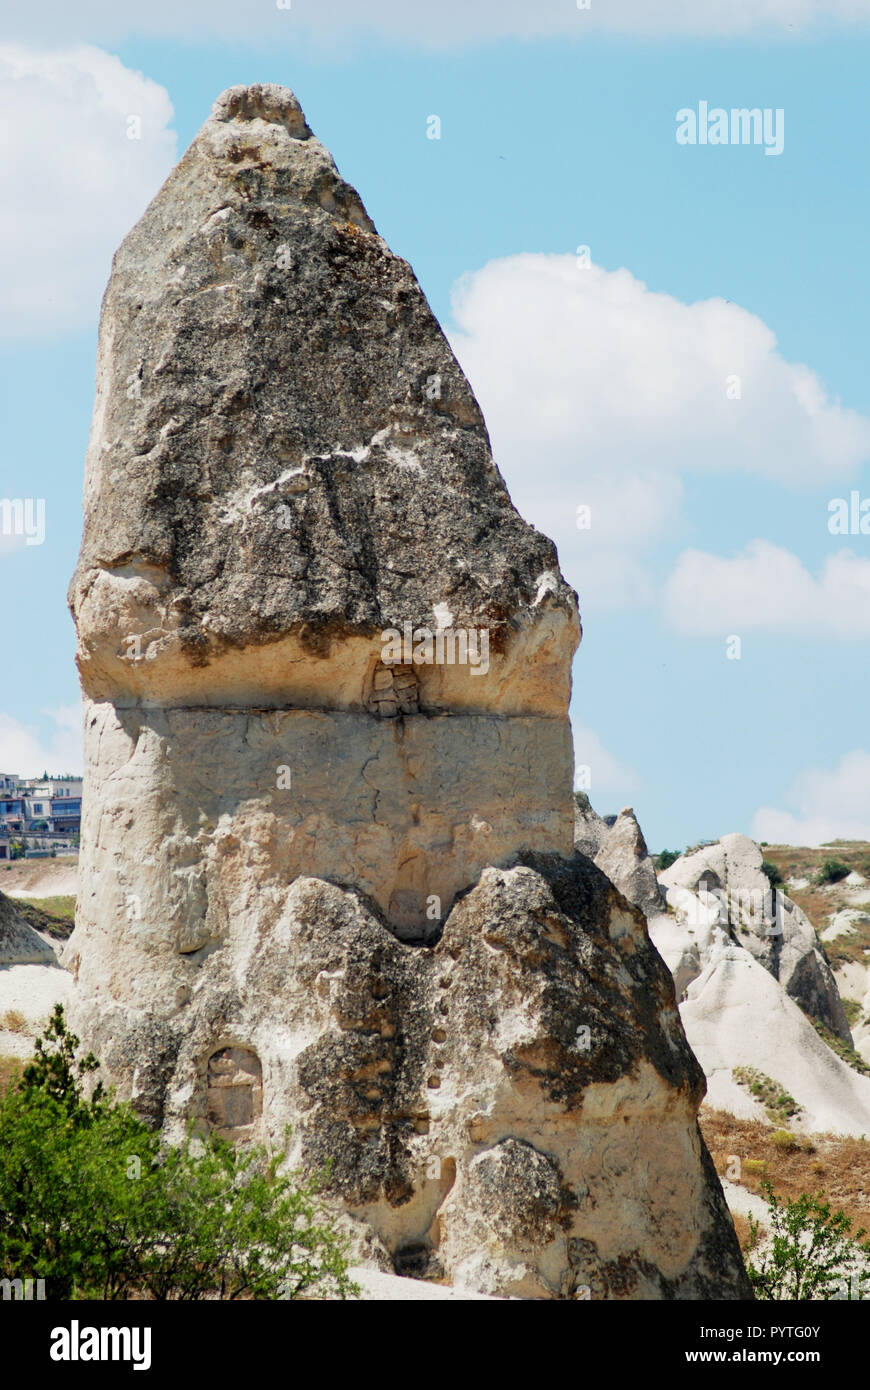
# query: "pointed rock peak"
263,101
286,460
627,832
590,830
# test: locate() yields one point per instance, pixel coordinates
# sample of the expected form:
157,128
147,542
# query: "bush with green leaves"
772,873
665,858
94,1204
809,1252
833,871
777,1102
784,1140
852,1058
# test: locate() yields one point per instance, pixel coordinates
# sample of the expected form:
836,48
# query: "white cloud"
830,805
448,24
25,751
610,784
600,391
767,587
592,364
71,181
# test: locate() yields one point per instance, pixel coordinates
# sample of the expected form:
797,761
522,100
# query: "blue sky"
600,385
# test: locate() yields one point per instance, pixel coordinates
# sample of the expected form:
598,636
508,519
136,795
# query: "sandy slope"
33,991
40,878
736,1014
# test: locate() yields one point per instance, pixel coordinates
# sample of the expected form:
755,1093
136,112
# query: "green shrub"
852,1010
848,1054
774,877
784,1140
665,859
91,1202
832,871
809,1248
778,1104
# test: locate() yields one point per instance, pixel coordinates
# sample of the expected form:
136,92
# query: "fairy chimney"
327,866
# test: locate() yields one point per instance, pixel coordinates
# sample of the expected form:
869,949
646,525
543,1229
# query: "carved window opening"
234,1097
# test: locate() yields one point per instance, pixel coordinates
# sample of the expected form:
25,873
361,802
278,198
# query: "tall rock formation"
327,866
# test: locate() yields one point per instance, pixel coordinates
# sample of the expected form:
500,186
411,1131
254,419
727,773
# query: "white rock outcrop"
737,1015
724,882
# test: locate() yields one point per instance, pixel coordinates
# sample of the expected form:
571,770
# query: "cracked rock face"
327,868
286,458
513,1109
291,505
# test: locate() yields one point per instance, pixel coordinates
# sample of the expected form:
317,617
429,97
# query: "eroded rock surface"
327,869
286,467
624,857
286,458
724,883
512,1110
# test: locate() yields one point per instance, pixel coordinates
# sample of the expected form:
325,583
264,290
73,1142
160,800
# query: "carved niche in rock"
394,690
234,1097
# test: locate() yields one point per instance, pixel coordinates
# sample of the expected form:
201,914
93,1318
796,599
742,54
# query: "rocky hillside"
31,982
822,963
767,1010
832,886
771,1018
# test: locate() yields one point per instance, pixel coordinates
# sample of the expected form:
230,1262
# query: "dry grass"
820,903
797,862
839,1167
14,1021
793,862
54,916
853,945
